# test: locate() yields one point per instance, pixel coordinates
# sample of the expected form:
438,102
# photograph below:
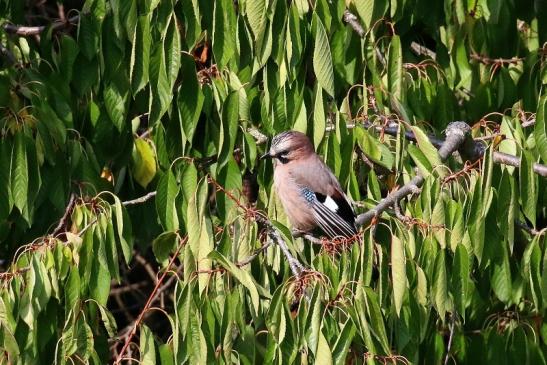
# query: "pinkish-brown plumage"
311,195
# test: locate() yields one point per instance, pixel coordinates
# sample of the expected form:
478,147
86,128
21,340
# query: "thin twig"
248,260
26,31
149,302
68,212
530,230
7,54
470,151
420,50
353,21
457,134
140,200
450,337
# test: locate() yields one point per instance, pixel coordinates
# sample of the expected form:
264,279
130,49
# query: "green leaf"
147,346
501,276
371,10
140,55
398,272
99,282
108,321
256,14
429,151
460,279
324,355
159,84
228,132
438,220
143,161
341,347
163,245
224,31
123,229
189,97
319,122
528,186
395,67
241,275
420,160
440,286
322,58
540,128
114,101
19,172
172,51
167,192
314,321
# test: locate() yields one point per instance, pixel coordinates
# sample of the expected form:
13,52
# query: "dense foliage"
133,205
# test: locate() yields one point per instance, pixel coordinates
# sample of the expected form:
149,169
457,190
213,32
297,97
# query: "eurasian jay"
309,192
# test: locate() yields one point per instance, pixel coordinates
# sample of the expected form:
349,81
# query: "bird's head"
289,146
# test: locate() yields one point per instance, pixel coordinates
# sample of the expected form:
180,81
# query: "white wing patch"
331,204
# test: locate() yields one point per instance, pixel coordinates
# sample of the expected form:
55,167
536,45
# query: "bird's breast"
296,207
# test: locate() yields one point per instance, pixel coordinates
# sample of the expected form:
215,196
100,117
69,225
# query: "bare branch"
68,212
248,260
352,20
155,293
26,31
457,133
7,54
140,200
471,150
420,50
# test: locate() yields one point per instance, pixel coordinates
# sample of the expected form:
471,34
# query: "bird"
308,190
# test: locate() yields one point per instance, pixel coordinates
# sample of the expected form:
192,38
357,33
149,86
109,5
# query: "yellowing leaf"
143,162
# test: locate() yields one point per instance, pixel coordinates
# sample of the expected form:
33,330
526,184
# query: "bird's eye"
283,156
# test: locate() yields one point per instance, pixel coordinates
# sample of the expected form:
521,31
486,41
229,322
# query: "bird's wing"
332,214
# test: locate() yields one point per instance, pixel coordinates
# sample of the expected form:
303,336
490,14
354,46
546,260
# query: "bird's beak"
266,155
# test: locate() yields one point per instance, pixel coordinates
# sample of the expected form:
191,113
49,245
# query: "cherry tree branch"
457,133
151,299
26,31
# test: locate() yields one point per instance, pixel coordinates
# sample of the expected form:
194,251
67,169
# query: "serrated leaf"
140,55
324,355
123,229
460,279
395,67
241,275
167,192
528,186
398,272
172,51
19,172
420,160
341,347
319,121
114,102
228,131
189,98
256,14
429,151
159,84
224,42
147,346
108,321
322,58
163,245
440,286
540,128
